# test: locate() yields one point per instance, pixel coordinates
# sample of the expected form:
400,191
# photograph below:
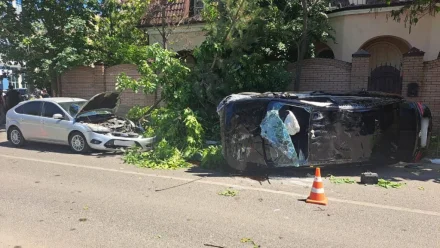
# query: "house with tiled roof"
358,24
182,24
371,51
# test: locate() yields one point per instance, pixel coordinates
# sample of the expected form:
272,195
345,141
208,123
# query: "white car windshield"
72,107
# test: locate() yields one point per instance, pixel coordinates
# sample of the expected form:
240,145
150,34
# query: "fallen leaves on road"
388,184
82,219
86,207
341,180
421,188
248,240
229,192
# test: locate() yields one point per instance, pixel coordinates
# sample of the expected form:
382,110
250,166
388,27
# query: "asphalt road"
52,198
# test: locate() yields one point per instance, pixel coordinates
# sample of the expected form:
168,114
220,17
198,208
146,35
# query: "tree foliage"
158,68
247,47
115,29
249,43
414,10
52,36
179,138
47,36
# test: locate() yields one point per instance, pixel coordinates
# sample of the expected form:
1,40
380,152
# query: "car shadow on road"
395,172
51,148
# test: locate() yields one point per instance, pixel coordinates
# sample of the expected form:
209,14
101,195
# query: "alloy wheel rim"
15,137
77,143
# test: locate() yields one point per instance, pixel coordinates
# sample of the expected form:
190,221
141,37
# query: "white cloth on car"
291,123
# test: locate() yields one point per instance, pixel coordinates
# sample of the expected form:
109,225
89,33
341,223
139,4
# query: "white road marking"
279,192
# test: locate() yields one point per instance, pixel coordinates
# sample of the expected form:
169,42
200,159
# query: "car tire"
78,143
16,137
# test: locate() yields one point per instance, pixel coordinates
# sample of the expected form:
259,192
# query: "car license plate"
123,143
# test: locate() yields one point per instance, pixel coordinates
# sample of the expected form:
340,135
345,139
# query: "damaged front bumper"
111,142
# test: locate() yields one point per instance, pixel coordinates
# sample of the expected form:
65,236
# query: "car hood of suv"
104,100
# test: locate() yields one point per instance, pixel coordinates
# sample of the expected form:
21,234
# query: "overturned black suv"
314,128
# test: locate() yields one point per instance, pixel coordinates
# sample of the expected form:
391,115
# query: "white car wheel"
78,143
16,137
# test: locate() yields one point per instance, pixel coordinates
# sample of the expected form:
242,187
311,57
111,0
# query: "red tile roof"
175,11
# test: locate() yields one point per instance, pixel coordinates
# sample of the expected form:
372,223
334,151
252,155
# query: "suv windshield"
72,107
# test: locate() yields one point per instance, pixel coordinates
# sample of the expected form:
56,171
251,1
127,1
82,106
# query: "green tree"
414,10
158,68
52,36
249,43
115,29
48,36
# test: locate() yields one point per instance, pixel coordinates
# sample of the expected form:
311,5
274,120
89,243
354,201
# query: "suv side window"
50,109
31,108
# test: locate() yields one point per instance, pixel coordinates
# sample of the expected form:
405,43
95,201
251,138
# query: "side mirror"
58,116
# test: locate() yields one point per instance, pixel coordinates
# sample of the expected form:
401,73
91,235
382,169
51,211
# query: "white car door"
55,130
29,118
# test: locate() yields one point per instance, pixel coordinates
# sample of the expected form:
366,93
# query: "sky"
5,83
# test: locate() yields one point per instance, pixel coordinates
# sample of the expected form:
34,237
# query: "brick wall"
427,75
128,97
360,71
430,90
85,82
317,74
82,82
323,74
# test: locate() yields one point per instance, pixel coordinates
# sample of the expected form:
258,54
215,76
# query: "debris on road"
229,192
248,240
369,178
388,184
341,180
421,188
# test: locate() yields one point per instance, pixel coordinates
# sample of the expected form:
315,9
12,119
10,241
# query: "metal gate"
385,78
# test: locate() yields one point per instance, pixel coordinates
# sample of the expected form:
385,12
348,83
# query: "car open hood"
105,100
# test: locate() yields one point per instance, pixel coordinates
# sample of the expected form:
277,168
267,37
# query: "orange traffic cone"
317,195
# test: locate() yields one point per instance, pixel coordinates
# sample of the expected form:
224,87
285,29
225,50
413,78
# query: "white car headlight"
99,129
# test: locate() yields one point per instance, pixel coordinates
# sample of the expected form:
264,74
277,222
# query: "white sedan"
81,124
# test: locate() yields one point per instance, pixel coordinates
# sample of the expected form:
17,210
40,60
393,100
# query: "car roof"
60,99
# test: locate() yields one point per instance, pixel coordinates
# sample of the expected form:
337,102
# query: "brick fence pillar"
412,69
99,77
360,70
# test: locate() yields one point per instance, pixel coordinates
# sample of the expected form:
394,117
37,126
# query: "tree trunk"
302,47
164,34
164,45
53,84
